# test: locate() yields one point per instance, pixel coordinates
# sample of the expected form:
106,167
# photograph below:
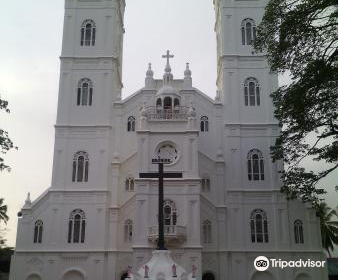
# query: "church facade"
99,218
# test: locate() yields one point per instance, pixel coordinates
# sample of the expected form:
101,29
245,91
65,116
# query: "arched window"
169,213
204,123
128,231
159,102
298,228
176,102
207,231
80,167
205,182
259,226
248,29
129,184
255,165
167,102
77,227
88,33
85,93
131,124
38,230
251,92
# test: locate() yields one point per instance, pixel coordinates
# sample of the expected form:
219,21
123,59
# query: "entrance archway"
208,276
73,275
124,276
33,277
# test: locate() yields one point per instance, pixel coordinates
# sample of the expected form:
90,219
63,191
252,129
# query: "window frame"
248,32
80,172
131,124
77,226
130,184
252,92
88,33
171,219
38,231
207,232
84,95
128,231
204,124
298,231
255,165
259,227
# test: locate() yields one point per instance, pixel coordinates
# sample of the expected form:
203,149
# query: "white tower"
239,67
90,80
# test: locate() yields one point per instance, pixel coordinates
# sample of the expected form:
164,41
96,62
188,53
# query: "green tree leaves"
328,227
301,37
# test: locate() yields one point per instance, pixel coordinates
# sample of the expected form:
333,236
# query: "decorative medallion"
168,151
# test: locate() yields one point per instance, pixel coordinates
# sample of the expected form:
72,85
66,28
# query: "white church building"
99,217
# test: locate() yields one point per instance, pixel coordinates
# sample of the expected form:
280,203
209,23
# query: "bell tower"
244,80
91,60
90,81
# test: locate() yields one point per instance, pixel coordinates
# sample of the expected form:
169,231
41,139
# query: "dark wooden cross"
161,175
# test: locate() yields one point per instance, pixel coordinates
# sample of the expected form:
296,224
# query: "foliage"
3,211
6,143
3,217
329,228
5,257
301,37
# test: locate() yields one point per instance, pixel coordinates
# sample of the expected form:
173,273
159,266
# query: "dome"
166,90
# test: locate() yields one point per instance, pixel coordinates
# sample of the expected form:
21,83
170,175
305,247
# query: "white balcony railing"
167,113
172,234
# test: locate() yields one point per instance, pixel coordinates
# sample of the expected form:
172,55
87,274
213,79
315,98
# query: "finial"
150,72
187,72
28,199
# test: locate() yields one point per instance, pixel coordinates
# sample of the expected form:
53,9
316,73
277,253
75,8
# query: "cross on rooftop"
168,56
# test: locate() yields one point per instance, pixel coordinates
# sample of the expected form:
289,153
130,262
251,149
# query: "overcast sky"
29,75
